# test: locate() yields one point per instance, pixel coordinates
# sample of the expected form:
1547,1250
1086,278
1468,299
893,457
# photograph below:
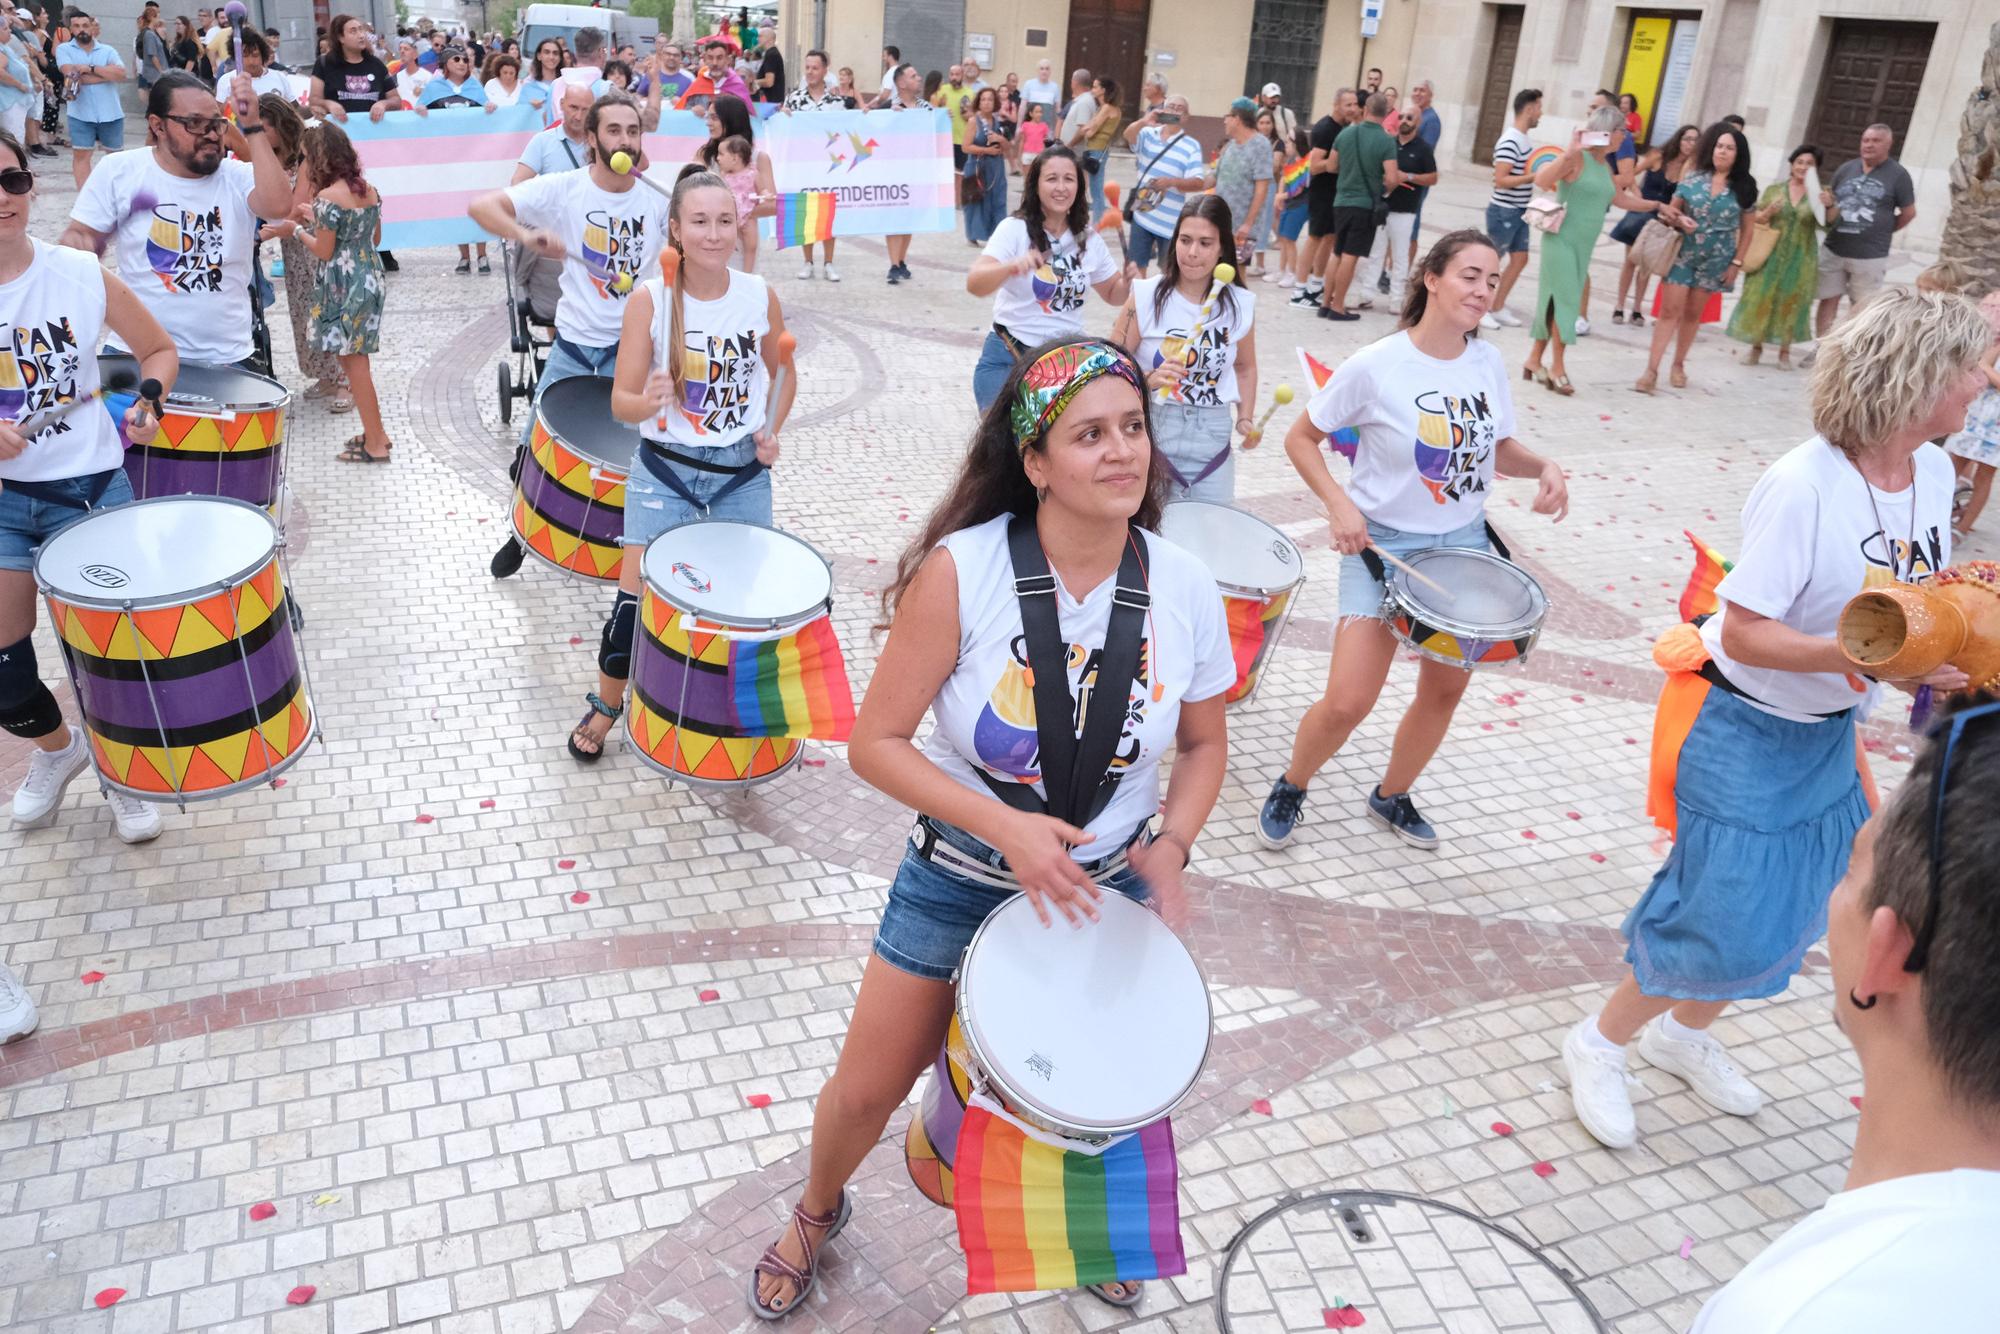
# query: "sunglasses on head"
17,180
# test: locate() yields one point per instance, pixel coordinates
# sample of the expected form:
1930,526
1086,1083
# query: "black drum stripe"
562,527
700,726
192,664
720,669
204,455
240,721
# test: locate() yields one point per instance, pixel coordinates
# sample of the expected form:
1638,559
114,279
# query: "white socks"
1679,1032
1593,1037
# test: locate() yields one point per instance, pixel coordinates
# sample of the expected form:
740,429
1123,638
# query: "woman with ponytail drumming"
1037,279
695,359
1432,380
1203,391
1061,480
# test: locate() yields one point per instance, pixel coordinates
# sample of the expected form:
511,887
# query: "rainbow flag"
793,687
805,218
1293,182
1698,598
1033,1217
1345,441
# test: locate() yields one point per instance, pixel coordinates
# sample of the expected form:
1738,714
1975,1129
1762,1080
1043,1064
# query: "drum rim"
1265,592
571,445
240,785
1025,1104
280,404
1397,585
673,775
196,594
791,621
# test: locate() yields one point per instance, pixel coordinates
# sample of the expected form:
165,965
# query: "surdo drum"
222,433
1259,571
569,504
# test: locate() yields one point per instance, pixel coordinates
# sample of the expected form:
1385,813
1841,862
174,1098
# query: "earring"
1860,1004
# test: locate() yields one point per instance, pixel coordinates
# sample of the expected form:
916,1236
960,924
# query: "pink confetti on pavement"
1574,815
759,1100
260,1212
1604,416
574,640
92,978
487,804
1262,1106
1545,1169
1597,857
1576,699
581,896
1687,1247
709,995
426,819
1856,1100
813,764
1502,1129
303,1293
1529,833
108,1297
566,864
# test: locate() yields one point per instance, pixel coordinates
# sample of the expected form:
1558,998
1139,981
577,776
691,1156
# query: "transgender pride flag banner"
429,168
890,172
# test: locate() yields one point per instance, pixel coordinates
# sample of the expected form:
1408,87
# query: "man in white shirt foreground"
1914,933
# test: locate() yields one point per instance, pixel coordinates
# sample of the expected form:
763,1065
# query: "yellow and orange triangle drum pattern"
214,766
664,623
170,632
564,550
241,433
714,759
573,471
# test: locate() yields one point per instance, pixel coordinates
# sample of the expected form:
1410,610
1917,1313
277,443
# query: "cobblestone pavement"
514,1045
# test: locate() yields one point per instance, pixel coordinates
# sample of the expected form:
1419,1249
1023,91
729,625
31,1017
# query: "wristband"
248,130
1187,849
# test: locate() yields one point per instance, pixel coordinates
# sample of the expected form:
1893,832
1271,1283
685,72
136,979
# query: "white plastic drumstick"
1225,274
1413,572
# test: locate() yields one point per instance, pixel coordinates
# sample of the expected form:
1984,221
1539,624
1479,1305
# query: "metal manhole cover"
1392,1264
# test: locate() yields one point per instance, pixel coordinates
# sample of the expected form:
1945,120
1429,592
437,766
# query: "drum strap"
1380,573
93,485
1076,772
599,359
1014,346
1189,483
659,462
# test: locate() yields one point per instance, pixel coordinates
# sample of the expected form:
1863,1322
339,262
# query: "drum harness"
656,457
1381,573
1076,772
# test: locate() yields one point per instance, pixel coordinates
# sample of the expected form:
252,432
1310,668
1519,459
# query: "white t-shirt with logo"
1047,303
1428,430
1211,377
270,81
985,711
54,313
1913,1253
188,256
1811,541
727,388
605,234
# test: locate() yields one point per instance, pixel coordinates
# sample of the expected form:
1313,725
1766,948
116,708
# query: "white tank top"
722,355
54,316
1211,378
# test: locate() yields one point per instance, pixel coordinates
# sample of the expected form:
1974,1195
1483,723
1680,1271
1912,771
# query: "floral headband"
1056,377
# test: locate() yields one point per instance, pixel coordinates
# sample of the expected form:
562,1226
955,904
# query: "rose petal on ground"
1262,1106
487,804
1856,1100
813,764
1351,1317
92,977
1502,1129
1597,856
760,1100
710,995
277,782
426,819
1545,1169
1528,833
108,1297
574,640
260,1212
566,864
581,896
303,1293
1687,1247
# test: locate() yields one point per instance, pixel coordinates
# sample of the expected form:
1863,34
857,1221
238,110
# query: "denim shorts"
1143,247
933,912
1293,221
651,507
26,522
88,134
1361,592
1507,228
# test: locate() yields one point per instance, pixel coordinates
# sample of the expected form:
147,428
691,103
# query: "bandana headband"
1056,377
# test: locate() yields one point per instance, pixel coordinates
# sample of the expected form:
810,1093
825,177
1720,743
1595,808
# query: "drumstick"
1412,571
670,264
1279,397
621,162
118,382
238,16
787,344
1225,274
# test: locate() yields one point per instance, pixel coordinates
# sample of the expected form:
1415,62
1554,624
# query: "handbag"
1139,187
971,189
1658,248
1546,213
1763,240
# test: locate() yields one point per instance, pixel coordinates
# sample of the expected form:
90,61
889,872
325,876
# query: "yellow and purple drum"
1259,571
569,504
178,636
222,433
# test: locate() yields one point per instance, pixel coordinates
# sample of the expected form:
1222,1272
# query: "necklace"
1883,528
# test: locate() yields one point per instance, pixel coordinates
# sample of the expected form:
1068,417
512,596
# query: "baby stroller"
534,285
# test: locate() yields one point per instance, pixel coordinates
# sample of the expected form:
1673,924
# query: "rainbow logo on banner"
1698,598
890,172
805,218
793,687
1033,1217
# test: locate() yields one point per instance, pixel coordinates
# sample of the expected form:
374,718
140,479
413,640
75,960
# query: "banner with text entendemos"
890,172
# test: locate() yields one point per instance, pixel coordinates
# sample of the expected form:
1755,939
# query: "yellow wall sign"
1645,58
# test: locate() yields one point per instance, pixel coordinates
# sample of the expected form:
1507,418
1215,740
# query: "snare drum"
721,602
173,620
1258,569
1493,615
1085,1034
569,505
222,433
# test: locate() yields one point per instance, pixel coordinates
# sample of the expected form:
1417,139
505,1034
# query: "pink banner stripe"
428,207
416,150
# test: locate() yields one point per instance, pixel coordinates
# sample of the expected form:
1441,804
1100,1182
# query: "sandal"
1534,375
1129,1300
1648,382
612,711
343,401
1678,377
356,451
802,1279
1754,355
1561,384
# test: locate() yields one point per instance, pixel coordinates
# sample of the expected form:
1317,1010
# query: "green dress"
347,300
1778,299
1566,253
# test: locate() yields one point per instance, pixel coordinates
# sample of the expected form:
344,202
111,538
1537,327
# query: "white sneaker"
1582,326
1487,321
806,270
1597,1088
1508,319
1705,1065
1289,280
832,274
136,821
1270,275
17,1013
49,776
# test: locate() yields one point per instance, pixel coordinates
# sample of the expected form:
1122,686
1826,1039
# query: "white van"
619,27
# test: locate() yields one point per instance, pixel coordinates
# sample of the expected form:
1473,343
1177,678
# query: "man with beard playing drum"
1435,423
605,229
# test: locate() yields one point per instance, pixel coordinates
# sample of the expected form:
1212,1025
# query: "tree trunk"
1972,230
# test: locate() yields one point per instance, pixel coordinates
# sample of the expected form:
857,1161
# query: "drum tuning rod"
1413,572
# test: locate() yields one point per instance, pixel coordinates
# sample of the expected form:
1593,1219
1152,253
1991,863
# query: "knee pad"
27,709
614,651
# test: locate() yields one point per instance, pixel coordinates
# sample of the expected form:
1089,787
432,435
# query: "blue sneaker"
1399,813
1280,816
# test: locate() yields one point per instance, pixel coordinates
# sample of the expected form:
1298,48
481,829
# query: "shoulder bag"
1139,187
1545,213
1658,248
1763,240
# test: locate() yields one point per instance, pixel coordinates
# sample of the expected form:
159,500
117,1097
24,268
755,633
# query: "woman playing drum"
695,359
55,305
1435,425
1202,352
1064,460
1755,767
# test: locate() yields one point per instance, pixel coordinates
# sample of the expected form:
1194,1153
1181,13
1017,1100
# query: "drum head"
1103,1028
1490,598
578,411
201,387
1244,553
738,574
160,552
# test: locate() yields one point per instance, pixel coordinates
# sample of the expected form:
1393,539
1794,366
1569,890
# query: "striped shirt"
1179,159
1513,149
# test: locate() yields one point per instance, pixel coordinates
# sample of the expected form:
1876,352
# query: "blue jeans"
652,507
564,364
1360,593
996,362
1096,179
27,521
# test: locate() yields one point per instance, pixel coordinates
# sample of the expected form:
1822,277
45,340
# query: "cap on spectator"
27,14
1273,90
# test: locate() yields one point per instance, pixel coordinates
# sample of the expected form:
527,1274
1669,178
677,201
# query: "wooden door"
1108,37
1496,99
1873,71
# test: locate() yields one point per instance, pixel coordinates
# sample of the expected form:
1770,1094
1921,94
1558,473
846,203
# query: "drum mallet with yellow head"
1225,274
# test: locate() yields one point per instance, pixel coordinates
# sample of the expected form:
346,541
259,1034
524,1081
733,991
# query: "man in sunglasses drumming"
188,254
